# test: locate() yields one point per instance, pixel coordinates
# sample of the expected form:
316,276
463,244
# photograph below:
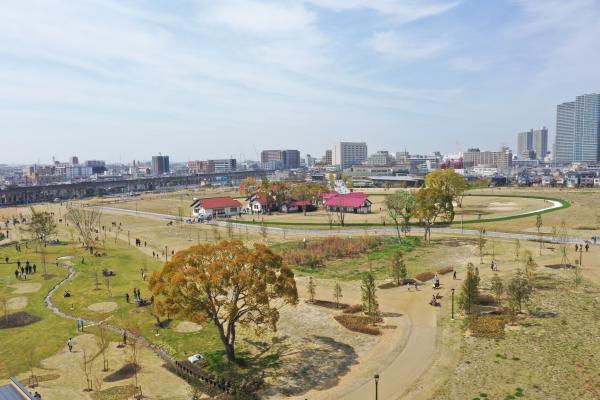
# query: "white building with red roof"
216,207
354,202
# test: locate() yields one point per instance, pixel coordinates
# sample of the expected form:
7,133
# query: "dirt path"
402,356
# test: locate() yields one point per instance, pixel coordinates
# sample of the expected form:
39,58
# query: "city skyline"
119,81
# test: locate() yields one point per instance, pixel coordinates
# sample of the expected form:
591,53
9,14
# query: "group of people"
23,270
436,281
494,266
580,247
137,296
138,243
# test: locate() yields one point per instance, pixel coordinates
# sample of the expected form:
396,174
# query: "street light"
376,384
452,304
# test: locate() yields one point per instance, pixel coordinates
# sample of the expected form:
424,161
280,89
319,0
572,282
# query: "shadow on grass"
18,319
316,362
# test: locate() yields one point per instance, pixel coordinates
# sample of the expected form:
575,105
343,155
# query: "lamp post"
452,304
376,384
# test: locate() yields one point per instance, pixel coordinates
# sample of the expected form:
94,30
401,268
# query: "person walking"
587,247
127,297
70,344
454,275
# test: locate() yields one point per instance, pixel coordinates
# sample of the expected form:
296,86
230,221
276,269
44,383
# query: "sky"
126,79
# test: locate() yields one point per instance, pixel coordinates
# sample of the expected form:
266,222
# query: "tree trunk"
227,342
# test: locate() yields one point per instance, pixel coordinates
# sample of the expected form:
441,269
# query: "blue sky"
123,80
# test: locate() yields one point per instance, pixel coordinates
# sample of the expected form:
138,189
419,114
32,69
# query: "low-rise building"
354,202
216,207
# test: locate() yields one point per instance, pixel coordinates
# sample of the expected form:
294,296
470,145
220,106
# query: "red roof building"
216,206
354,202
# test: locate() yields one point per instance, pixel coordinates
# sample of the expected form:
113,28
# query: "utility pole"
166,253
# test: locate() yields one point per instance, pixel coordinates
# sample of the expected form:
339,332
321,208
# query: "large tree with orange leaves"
227,283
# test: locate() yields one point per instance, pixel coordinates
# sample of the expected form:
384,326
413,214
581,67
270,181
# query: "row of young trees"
430,204
518,290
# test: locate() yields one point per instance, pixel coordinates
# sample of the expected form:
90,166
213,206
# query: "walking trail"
400,359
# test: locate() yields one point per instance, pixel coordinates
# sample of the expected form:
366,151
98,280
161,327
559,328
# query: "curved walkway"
353,231
72,272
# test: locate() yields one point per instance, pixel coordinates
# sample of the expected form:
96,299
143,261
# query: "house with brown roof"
216,207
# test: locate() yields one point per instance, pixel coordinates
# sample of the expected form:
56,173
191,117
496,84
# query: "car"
197,359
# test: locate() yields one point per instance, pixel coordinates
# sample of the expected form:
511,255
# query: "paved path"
348,231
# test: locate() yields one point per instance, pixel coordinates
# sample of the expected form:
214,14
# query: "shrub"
2,237
485,300
489,326
360,323
445,270
425,276
317,253
353,309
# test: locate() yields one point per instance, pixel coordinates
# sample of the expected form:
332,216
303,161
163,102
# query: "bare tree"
341,215
84,220
134,360
481,244
86,367
4,297
102,341
31,363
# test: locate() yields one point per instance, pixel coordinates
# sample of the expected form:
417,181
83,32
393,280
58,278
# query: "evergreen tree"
519,290
398,270
312,289
337,294
369,295
497,287
470,289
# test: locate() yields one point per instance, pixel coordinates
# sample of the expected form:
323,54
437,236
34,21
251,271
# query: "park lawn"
582,218
440,253
178,204
126,262
552,353
49,334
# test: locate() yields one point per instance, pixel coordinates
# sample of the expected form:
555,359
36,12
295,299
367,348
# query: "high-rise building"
533,141
275,159
497,159
524,143
160,165
291,159
328,157
578,129
380,159
223,165
346,154
74,160
268,156
540,143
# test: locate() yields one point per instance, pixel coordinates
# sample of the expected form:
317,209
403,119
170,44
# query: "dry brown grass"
360,323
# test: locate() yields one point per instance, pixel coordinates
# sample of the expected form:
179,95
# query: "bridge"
35,194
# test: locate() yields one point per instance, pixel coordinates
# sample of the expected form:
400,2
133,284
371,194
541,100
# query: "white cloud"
262,17
403,47
402,10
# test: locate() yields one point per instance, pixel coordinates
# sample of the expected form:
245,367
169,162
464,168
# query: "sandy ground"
17,303
156,382
24,288
187,327
103,307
